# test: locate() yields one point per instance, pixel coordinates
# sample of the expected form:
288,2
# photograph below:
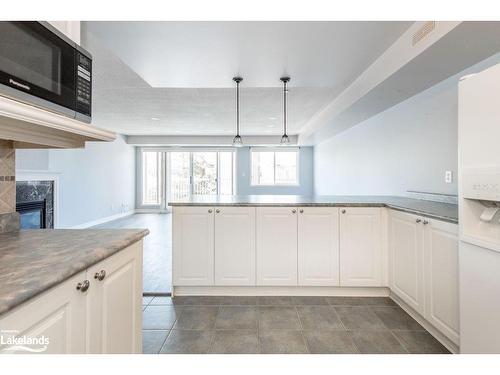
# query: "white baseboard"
151,211
450,345
104,220
280,291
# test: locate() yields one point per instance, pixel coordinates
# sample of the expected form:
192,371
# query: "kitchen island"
80,288
322,246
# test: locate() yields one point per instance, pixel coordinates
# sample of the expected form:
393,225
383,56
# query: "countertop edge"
354,204
22,298
422,213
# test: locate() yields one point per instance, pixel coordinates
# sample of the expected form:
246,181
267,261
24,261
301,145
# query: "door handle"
83,286
100,275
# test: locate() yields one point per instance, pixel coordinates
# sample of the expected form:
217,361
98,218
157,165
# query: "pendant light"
237,142
284,138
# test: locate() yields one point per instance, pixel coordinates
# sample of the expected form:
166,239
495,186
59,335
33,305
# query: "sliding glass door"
204,173
200,173
151,178
180,175
176,175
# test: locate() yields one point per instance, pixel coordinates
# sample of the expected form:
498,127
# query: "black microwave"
41,66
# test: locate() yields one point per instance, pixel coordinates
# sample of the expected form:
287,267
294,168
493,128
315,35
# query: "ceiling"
174,78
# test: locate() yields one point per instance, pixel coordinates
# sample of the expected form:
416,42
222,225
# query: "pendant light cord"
285,96
237,108
284,106
237,139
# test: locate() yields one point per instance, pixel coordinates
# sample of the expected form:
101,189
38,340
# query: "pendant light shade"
237,141
284,138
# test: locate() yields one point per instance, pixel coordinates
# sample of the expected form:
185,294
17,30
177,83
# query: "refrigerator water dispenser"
480,206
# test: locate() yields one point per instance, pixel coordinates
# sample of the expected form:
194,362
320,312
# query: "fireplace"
35,204
32,214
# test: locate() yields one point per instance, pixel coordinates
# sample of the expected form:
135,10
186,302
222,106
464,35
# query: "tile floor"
281,325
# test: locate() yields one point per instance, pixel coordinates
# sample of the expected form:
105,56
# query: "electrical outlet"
448,177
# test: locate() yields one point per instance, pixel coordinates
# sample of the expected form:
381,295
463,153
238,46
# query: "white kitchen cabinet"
318,246
235,246
193,246
406,276
276,246
361,246
115,303
441,277
424,269
69,28
84,314
58,314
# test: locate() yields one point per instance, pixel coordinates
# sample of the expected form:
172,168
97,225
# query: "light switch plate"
448,177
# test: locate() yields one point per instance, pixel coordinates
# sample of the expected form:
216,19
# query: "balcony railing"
180,189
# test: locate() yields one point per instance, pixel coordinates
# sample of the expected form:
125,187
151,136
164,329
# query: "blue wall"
243,171
407,147
95,182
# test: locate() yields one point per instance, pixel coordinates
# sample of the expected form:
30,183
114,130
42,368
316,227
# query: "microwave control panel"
83,84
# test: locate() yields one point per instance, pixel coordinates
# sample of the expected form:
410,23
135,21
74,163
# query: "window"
201,173
271,167
151,177
226,172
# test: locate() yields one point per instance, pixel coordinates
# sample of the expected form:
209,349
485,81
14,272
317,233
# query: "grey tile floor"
157,259
282,325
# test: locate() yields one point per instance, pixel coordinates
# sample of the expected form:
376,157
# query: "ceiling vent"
425,30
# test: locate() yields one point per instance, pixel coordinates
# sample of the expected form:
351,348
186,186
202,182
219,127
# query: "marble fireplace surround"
24,175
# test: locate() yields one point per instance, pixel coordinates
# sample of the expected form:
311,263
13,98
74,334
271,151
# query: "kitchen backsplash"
9,219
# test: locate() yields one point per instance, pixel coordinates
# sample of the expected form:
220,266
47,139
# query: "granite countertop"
437,210
32,261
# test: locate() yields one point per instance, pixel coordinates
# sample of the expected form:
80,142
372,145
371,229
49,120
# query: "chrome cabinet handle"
343,211
294,211
217,211
418,220
83,286
425,222
210,211
100,275
301,211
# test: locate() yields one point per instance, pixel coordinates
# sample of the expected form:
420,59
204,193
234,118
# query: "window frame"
159,168
274,150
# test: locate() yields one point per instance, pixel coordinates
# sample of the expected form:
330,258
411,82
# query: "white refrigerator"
479,211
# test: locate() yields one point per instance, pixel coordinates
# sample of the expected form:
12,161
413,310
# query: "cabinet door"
115,303
276,246
69,28
318,246
58,315
360,246
235,246
193,246
441,277
406,258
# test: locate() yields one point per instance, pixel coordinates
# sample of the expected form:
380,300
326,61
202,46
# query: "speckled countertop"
33,261
437,210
